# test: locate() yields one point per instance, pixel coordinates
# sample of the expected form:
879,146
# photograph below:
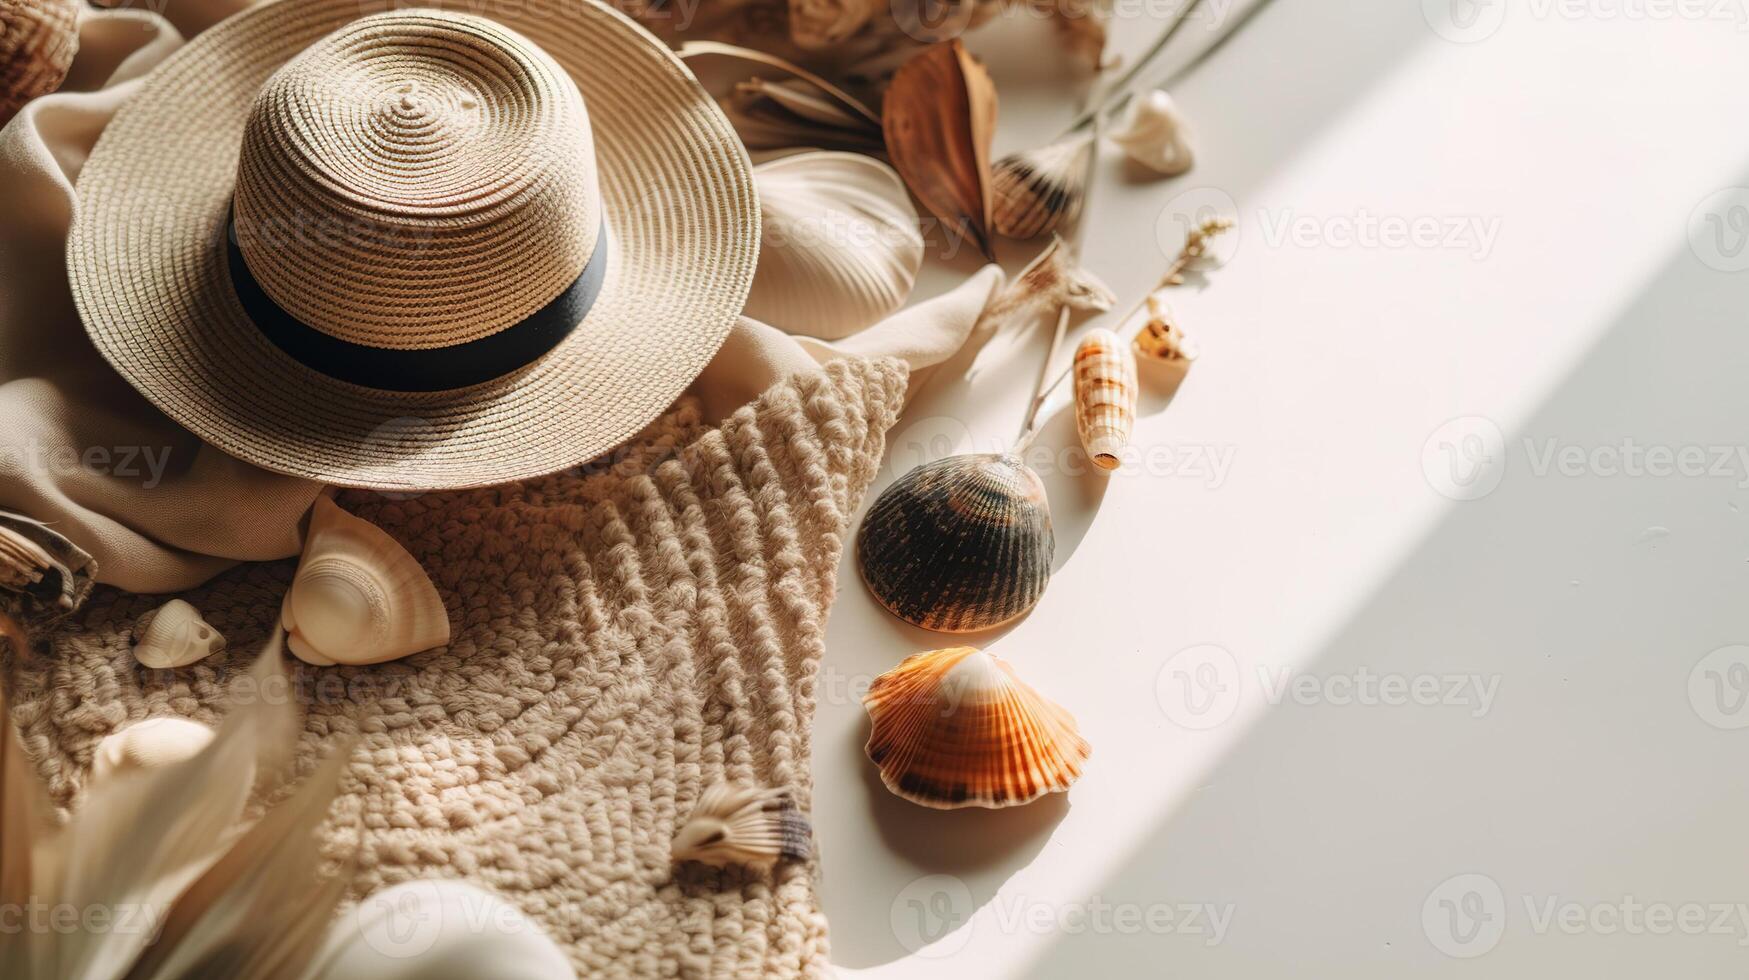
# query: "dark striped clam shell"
959,545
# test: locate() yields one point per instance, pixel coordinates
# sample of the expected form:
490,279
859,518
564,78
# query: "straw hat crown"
417,180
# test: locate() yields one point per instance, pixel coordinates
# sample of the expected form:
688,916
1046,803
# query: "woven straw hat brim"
148,268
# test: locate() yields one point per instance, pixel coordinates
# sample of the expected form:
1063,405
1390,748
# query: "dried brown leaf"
939,117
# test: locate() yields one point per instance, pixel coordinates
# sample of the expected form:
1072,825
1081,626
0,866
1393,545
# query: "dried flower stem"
1120,89
1195,247
1029,425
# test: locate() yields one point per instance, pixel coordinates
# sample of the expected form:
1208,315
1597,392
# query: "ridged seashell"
839,244
1163,347
150,744
38,39
738,824
1105,396
955,728
1035,191
174,635
52,575
358,596
1155,135
959,545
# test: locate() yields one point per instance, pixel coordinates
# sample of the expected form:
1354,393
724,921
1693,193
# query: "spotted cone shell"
959,545
956,727
1105,397
38,39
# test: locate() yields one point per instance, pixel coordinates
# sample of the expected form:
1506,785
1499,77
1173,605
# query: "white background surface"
1605,780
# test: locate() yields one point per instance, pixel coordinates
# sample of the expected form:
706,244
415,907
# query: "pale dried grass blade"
262,910
137,841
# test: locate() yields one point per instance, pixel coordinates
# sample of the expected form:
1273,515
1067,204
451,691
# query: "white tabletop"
1413,650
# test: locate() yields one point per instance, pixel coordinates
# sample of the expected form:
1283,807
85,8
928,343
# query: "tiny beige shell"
174,635
734,823
1105,397
358,596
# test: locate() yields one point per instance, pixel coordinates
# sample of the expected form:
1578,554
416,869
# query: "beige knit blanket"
623,638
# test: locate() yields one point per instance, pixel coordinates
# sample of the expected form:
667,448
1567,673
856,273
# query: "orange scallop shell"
956,727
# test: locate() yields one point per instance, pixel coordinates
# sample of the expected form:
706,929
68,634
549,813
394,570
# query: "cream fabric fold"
158,509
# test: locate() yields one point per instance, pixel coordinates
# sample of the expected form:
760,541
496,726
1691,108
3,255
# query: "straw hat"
413,248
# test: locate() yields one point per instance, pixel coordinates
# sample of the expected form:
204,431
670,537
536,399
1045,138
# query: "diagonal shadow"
1265,74
1602,767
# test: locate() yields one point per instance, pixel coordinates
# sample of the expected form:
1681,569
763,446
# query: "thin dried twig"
1195,247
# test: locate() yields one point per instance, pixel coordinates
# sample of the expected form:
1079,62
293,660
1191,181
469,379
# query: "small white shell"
839,244
1155,134
174,635
150,744
738,824
358,596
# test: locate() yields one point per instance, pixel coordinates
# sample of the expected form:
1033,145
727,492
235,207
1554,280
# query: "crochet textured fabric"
623,637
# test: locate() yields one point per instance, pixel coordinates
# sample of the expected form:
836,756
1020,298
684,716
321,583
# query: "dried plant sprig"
1196,245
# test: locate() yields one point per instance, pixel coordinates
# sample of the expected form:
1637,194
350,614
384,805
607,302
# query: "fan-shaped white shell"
1155,135
150,744
174,635
359,597
734,823
839,245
